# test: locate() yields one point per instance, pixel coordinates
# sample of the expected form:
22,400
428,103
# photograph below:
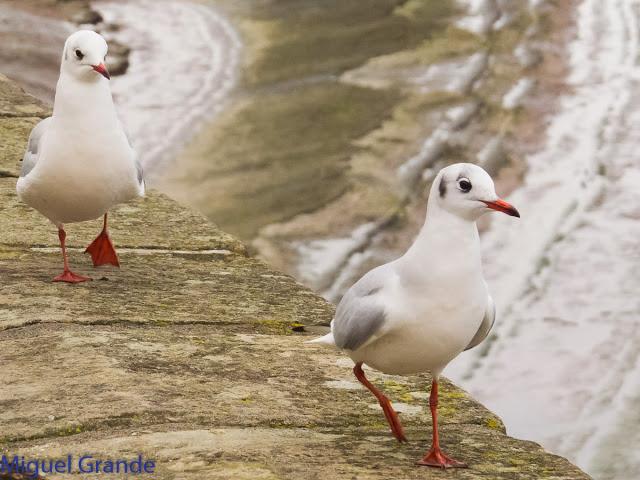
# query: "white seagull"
417,313
79,162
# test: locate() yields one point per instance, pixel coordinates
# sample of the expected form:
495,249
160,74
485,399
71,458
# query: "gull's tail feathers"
325,340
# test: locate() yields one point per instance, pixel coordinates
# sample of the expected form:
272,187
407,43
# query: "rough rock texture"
192,355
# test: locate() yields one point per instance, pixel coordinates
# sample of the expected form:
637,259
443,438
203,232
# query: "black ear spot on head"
442,187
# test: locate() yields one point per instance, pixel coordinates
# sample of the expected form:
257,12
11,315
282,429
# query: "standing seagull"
79,162
420,311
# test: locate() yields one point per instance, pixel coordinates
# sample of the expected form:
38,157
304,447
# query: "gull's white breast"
81,173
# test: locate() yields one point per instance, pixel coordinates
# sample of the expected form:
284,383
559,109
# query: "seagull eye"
79,54
464,184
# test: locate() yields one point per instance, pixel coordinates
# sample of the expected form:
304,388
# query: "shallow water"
563,364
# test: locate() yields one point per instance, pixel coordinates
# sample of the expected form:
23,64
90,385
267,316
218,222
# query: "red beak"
504,207
102,70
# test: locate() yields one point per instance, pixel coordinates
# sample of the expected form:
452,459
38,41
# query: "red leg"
101,249
67,275
435,457
389,412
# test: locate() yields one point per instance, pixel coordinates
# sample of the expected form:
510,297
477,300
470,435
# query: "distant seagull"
419,312
79,162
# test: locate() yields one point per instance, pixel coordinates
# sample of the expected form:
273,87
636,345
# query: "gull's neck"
446,241
84,103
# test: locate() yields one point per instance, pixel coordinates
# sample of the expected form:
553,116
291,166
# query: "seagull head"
84,56
467,190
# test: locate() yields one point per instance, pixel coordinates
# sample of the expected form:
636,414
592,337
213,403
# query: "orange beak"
504,207
102,70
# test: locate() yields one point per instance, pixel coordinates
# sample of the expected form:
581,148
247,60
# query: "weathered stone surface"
153,222
188,355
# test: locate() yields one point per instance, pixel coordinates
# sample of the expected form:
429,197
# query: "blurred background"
312,129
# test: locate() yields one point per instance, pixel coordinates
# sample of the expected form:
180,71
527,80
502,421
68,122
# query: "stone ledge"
192,354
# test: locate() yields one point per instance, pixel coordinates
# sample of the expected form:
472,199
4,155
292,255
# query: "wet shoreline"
334,258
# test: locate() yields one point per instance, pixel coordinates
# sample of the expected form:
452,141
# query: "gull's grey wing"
139,169
359,315
30,157
485,326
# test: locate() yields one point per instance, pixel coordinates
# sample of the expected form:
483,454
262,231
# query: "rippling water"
563,365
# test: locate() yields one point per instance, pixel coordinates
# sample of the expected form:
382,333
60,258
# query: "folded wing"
485,326
30,157
360,316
